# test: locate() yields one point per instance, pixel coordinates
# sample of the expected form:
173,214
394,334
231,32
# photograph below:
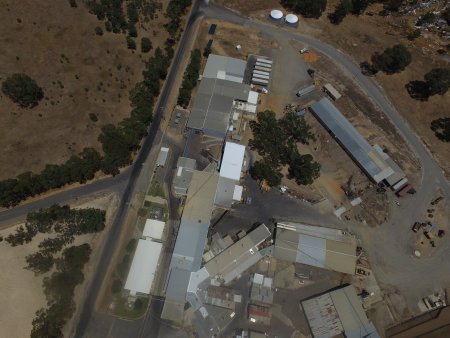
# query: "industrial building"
368,158
143,268
221,93
183,175
225,68
322,247
153,229
228,188
162,157
237,258
190,243
261,289
338,313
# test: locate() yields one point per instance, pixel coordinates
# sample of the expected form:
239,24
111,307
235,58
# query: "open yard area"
85,79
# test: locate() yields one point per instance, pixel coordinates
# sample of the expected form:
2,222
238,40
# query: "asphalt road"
135,171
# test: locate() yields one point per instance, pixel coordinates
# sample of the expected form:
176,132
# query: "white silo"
276,15
291,20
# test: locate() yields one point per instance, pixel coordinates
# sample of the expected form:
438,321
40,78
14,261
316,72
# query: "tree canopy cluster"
190,78
276,141
441,128
62,224
356,7
23,90
437,82
392,60
307,8
59,290
175,10
117,20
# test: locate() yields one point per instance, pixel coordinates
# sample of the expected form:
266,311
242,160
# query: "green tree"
359,6
340,12
303,169
414,34
392,60
132,31
441,128
146,45
131,44
296,128
307,8
131,245
264,170
73,3
426,19
98,31
393,5
207,51
116,286
23,90
138,304
39,262
438,81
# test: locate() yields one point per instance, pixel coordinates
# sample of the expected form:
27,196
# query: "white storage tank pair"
290,19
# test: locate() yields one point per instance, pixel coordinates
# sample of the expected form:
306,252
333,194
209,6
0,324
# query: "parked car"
416,226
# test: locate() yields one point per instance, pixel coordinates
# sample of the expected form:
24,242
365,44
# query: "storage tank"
276,15
291,20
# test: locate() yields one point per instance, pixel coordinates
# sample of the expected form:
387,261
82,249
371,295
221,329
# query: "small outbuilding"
162,157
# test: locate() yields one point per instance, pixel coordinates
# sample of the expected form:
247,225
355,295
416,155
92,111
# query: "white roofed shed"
232,160
153,229
143,268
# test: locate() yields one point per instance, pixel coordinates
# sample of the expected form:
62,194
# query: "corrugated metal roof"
225,191
367,158
183,175
191,240
213,103
162,156
153,228
143,267
317,246
241,253
338,312
232,160
234,69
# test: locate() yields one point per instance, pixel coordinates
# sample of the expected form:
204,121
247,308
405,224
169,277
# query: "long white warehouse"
143,268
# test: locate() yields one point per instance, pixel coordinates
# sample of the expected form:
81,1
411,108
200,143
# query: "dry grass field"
360,37
79,72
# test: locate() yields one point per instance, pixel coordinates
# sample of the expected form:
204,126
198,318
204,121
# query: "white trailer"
264,61
262,64
260,72
265,69
261,82
400,184
260,76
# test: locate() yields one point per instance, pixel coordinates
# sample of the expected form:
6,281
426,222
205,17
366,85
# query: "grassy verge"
156,190
122,309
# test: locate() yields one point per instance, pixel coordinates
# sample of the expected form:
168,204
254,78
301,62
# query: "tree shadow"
418,90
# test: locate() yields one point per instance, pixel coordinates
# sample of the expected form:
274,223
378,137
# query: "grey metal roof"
186,162
213,103
224,67
367,158
225,190
183,175
191,240
398,172
317,246
337,312
162,156
239,256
